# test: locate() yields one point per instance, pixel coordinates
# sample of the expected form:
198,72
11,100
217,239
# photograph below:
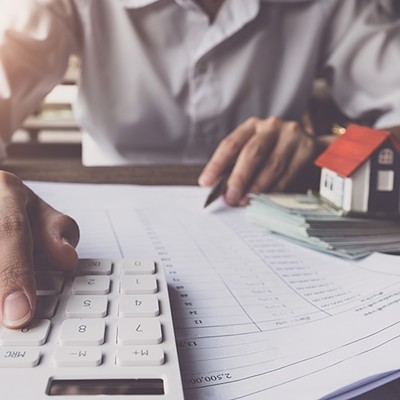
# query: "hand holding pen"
258,156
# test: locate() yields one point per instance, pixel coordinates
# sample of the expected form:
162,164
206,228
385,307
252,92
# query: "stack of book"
304,219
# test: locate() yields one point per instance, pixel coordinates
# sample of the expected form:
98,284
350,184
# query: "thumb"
17,284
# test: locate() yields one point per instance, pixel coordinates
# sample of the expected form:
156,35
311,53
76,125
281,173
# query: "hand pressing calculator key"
105,331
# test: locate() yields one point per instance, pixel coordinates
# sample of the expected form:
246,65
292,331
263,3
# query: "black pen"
218,189
220,185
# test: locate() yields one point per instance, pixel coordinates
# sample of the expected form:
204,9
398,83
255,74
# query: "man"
182,81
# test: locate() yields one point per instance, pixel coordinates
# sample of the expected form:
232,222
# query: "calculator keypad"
85,310
110,321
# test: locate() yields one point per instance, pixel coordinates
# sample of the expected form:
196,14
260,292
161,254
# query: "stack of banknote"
304,219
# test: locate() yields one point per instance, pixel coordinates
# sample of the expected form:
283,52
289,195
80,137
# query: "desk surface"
67,167
71,170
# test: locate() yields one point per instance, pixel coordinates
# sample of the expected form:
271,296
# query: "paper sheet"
256,317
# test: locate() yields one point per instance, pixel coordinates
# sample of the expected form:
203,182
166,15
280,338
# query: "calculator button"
77,357
45,306
19,357
35,334
131,305
138,285
49,283
139,331
94,266
131,266
139,355
81,332
84,306
91,284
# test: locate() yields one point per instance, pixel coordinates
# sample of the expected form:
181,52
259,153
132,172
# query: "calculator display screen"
62,387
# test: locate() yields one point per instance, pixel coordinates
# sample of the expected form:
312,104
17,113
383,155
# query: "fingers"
17,287
227,152
262,155
292,151
56,236
28,225
251,159
302,156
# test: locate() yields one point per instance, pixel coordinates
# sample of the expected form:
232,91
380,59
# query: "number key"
81,305
82,332
92,266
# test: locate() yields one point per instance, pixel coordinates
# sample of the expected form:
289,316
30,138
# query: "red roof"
349,151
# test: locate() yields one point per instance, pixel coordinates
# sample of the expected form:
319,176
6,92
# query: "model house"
361,172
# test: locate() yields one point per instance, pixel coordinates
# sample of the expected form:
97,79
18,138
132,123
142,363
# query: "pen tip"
217,191
207,202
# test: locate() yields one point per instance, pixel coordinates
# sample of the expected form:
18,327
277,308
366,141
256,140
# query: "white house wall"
356,194
331,187
350,194
347,194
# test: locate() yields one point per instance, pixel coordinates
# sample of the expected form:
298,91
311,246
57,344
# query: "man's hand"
267,155
29,230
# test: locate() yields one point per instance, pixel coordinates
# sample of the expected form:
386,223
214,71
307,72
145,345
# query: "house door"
384,183
384,189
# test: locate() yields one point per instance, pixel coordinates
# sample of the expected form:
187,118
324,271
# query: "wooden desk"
67,167
71,170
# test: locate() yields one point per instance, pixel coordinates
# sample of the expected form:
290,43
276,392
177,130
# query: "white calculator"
106,332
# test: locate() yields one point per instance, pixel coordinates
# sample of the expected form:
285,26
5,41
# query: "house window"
385,157
326,180
385,181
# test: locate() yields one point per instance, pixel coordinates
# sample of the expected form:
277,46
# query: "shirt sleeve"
363,61
36,39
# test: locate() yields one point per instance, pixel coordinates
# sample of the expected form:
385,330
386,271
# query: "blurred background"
52,129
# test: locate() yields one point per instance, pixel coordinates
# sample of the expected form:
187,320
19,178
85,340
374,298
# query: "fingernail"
17,310
206,179
232,195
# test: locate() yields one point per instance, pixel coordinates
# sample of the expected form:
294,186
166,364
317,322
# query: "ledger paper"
256,317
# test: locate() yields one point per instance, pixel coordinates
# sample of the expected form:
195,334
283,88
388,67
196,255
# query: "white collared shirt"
160,84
